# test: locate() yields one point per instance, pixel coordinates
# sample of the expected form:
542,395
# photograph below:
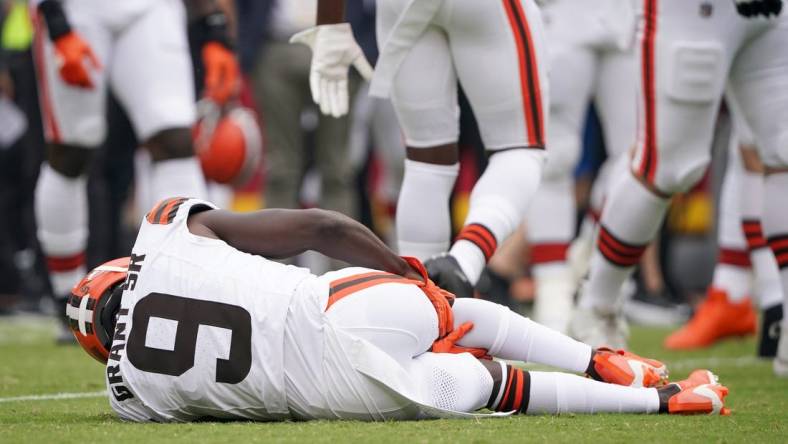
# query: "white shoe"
781,360
598,329
554,301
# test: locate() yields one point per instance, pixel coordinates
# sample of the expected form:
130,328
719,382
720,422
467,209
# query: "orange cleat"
624,368
701,393
716,318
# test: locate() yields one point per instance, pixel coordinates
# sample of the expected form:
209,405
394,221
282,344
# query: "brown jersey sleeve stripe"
169,212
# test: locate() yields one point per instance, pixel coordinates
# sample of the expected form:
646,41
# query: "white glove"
333,51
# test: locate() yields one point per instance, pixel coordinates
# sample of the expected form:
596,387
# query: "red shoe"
716,318
624,368
698,394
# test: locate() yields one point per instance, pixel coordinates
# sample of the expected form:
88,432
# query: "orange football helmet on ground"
92,306
228,143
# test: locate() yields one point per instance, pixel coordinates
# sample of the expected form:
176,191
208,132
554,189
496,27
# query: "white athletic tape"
55,396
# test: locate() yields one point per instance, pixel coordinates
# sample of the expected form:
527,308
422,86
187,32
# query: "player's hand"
74,57
334,49
221,72
448,344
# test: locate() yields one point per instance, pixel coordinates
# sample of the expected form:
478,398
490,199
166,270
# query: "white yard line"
55,396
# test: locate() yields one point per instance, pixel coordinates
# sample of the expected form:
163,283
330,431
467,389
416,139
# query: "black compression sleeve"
57,23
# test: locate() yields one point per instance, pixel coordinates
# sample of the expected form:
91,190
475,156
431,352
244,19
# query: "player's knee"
174,143
457,382
696,71
678,178
563,154
69,160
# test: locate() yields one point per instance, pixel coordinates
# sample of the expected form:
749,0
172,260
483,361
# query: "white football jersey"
201,326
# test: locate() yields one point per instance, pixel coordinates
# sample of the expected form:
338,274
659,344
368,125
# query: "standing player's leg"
727,309
496,50
424,95
767,286
74,126
674,136
152,77
758,83
550,219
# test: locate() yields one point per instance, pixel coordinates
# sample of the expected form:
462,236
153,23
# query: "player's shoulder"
172,210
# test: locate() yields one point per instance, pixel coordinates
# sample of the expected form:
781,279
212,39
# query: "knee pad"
696,71
456,382
679,173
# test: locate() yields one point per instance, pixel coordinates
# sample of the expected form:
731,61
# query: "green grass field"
30,364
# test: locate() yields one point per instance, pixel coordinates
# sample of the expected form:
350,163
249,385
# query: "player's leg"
424,95
462,383
727,310
498,49
152,77
758,82
550,219
767,286
674,137
75,126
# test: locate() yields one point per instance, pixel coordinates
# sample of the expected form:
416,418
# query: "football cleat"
445,271
698,394
716,318
621,367
771,321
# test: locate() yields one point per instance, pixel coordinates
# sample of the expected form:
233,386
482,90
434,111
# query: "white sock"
554,393
423,218
507,335
551,225
767,286
498,204
735,280
177,177
61,209
630,220
775,225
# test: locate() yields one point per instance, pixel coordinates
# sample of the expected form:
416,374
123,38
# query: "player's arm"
74,54
278,233
208,27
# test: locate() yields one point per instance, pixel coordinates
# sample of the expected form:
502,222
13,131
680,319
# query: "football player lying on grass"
200,323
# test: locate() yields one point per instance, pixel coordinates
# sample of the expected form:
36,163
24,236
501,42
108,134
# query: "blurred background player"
426,47
746,267
140,49
687,52
591,55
